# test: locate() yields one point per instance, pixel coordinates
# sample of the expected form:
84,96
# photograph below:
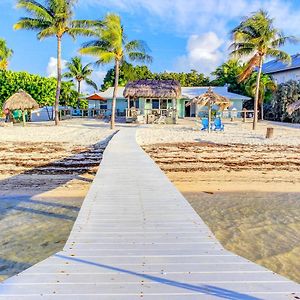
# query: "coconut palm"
258,38
80,73
266,84
52,19
111,46
5,54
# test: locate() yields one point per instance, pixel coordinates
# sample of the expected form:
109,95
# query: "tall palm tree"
111,46
80,73
54,18
258,38
5,54
266,84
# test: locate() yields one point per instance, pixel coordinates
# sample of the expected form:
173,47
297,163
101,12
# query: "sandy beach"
45,173
246,188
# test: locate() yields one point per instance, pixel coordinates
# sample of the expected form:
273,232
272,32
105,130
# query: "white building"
283,72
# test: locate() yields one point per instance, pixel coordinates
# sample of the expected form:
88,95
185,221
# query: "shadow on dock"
201,289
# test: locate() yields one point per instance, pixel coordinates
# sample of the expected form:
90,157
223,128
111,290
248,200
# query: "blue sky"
182,34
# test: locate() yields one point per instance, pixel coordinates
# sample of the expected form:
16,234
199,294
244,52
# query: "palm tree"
80,73
5,54
258,38
52,19
111,46
266,84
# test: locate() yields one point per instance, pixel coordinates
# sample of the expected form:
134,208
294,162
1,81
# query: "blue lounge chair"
205,124
218,125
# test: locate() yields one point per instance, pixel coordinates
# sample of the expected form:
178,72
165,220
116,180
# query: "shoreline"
248,195
45,175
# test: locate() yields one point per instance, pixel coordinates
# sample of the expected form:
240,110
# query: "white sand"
83,132
235,133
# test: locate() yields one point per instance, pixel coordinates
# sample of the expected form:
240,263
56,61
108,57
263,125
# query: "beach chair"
205,124
160,120
17,115
218,125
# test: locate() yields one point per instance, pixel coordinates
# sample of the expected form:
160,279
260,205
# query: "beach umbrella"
293,107
20,101
209,99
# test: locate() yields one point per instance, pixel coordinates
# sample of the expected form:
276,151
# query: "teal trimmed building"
147,99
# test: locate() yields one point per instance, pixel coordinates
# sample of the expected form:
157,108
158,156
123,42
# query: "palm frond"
90,82
36,9
279,55
31,24
250,66
139,56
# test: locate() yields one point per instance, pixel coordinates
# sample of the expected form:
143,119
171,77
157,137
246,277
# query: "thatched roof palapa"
20,100
163,89
210,98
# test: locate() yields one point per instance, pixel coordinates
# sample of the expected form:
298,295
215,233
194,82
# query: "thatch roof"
293,107
20,100
164,89
211,98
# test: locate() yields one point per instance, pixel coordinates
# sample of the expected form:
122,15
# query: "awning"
95,97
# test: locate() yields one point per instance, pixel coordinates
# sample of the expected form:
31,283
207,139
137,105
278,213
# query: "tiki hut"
209,99
20,101
160,92
161,89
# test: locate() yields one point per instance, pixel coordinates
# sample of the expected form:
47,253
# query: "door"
187,112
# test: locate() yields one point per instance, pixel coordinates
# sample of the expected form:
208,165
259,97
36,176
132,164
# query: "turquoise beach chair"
205,124
218,125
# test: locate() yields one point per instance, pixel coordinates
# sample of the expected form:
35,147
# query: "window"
163,104
155,104
134,103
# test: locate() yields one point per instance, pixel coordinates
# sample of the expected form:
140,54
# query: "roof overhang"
95,97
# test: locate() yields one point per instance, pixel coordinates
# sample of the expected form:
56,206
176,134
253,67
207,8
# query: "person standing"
7,115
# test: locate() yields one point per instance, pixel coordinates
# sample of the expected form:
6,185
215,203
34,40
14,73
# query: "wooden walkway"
136,237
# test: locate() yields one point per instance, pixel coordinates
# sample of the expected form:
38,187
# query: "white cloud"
195,16
204,53
52,66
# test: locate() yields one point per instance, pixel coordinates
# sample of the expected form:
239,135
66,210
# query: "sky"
182,34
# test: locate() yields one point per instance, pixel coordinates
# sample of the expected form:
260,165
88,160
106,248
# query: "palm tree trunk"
78,90
114,100
262,109
255,119
58,80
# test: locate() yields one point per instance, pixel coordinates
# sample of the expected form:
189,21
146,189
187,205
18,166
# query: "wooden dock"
136,237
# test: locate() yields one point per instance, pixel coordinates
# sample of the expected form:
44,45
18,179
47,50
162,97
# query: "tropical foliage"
40,88
258,38
228,74
266,87
111,46
5,54
129,72
52,19
79,73
286,94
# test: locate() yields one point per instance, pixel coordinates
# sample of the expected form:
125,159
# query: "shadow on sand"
33,226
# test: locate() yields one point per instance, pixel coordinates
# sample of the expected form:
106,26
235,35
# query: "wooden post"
174,106
209,117
23,117
270,132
